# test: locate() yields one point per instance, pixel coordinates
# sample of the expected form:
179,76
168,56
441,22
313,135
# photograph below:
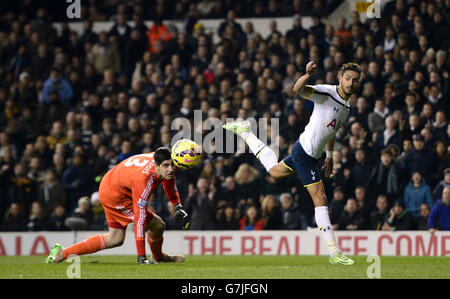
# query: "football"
186,153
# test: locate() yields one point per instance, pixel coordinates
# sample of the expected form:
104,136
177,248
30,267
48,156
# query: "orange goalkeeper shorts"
119,211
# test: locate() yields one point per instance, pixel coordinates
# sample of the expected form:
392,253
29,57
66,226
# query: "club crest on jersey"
313,173
142,203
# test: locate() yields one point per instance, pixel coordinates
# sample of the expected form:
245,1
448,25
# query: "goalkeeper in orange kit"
124,192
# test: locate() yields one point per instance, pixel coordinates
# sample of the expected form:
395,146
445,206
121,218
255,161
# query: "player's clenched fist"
311,67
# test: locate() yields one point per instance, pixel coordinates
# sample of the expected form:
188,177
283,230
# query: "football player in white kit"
331,111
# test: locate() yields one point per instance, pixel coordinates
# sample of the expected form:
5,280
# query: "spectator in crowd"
443,156
361,113
378,216
208,171
364,206
125,151
351,218
384,178
387,136
428,138
200,204
234,26
58,218
439,218
410,109
56,83
289,212
14,219
56,135
75,181
121,31
247,179
104,55
251,219
422,222
22,189
157,34
343,31
362,169
228,218
421,160
51,193
82,216
271,213
440,124
437,192
297,31
37,220
337,204
416,193
42,26
399,218
413,128
35,172
377,118
58,165
229,192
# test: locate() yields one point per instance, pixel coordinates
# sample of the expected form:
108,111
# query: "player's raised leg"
113,238
264,154
155,239
317,192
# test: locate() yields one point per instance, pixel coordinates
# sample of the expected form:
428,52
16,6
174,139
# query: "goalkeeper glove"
181,215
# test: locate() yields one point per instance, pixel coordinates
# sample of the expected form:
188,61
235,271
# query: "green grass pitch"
225,267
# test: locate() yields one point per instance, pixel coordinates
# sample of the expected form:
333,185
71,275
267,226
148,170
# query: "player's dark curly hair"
162,154
351,66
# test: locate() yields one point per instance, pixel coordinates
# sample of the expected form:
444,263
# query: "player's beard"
348,93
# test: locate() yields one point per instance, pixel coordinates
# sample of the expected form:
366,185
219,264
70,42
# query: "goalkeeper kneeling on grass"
124,192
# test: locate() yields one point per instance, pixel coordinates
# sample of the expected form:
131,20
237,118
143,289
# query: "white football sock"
266,156
324,224
244,135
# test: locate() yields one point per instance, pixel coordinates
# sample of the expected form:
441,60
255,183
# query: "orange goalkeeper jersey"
125,190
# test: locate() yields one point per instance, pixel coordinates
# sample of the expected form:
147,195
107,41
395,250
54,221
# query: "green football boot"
238,127
340,259
56,254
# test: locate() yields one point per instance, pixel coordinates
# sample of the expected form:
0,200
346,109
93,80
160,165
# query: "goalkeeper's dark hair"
351,66
162,154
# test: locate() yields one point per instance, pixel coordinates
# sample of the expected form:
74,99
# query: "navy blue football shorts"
306,166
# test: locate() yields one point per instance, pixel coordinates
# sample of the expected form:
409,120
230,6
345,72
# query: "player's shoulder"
140,157
145,155
325,89
140,163
331,93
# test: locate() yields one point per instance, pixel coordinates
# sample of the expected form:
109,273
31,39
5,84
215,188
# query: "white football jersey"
330,112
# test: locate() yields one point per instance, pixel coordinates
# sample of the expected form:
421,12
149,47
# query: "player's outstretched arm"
300,86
